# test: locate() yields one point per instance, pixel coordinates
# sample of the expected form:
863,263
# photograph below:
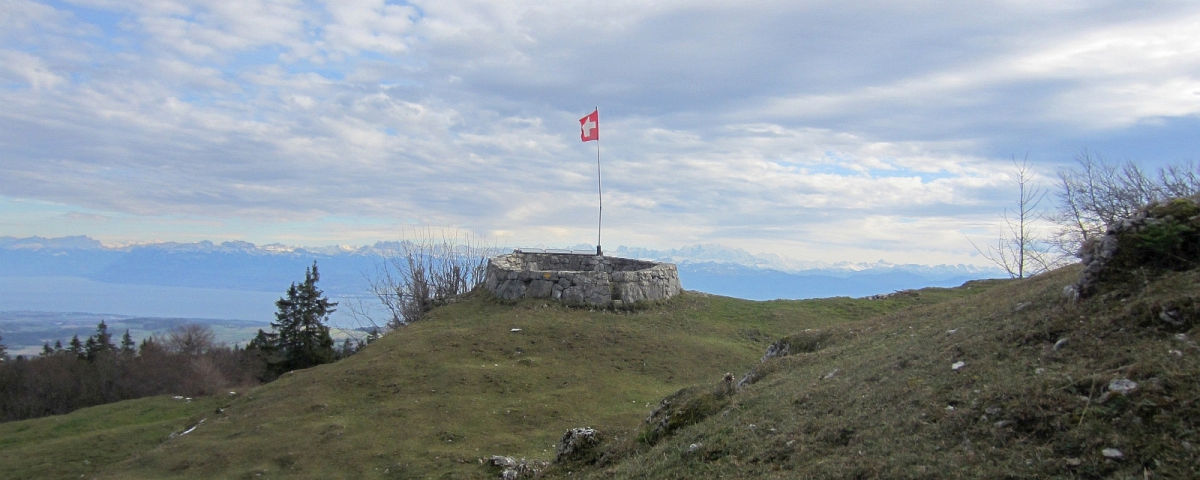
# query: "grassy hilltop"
432,398
1014,383
869,390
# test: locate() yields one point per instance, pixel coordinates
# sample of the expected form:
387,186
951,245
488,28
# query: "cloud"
820,128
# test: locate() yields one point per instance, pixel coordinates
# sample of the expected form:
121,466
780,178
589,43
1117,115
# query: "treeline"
186,361
85,373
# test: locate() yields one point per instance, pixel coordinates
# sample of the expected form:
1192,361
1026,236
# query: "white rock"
1123,386
956,366
1112,453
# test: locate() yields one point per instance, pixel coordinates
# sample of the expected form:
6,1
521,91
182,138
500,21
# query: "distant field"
25,332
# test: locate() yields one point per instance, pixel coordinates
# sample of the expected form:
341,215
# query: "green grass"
92,439
878,398
432,399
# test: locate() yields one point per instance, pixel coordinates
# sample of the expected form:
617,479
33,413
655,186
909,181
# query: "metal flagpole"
599,188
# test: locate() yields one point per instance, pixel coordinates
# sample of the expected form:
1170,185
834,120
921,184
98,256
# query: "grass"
92,439
433,398
879,397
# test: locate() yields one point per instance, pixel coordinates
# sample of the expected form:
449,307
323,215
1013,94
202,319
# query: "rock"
1124,246
1123,386
578,445
511,469
1059,344
1171,316
956,366
1112,453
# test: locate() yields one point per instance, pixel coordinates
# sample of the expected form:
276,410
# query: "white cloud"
28,69
808,128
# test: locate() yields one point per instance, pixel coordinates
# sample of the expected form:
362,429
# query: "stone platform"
581,279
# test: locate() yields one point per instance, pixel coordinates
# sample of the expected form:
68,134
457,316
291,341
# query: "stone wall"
574,279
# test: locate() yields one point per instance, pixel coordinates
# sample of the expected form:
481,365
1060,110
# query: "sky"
816,130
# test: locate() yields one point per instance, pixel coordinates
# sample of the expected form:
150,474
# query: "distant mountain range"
345,270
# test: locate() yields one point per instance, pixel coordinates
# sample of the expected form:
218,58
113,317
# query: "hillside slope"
433,398
1016,383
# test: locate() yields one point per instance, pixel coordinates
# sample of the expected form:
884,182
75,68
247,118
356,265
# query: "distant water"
74,294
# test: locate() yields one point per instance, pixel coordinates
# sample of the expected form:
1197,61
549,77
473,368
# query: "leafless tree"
1097,193
190,339
1020,250
420,274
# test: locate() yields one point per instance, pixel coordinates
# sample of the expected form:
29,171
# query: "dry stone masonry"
575,279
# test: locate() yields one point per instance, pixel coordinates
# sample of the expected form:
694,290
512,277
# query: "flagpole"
599,189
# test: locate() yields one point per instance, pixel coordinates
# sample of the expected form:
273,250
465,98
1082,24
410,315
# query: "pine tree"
3,351
304,339
76,348
127,344
99,343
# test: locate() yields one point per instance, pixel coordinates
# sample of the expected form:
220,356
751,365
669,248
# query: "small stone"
949,408
830,374
956,366
1039,371
1123,386
1074,462
951,332
1059,344
515,330
1171,317
1112,453
693,447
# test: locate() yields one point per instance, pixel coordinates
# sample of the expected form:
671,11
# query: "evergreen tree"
303,337
99,343
76,347
127,344
3,351
46,350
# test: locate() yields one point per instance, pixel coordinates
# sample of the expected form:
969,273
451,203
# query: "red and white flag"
589,127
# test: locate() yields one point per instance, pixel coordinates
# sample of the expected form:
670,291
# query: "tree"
76,348
1020,251
127,345
304,339
190,339
1097,193
3,351
418,275
99,343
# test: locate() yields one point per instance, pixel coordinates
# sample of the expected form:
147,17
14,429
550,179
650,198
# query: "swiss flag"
589,127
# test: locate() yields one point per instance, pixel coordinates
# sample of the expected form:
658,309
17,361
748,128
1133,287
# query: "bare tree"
420,274
1019,250
191,339
1097,193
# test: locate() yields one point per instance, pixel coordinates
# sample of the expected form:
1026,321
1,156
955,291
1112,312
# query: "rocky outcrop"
1161,236
587,280
578,445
